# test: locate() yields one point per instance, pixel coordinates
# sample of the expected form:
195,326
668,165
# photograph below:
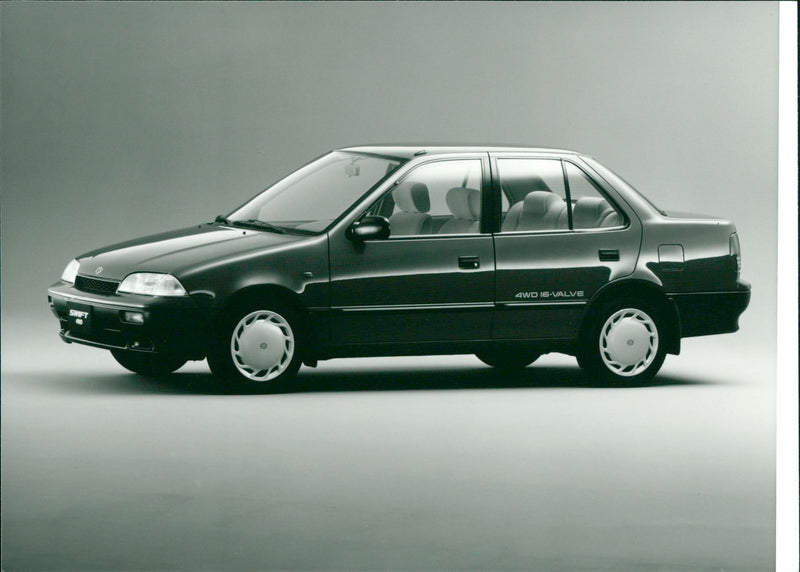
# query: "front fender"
301,267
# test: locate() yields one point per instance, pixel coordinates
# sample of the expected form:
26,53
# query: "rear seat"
541,210
593,212
547,211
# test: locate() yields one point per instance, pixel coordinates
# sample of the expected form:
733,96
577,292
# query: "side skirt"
561,345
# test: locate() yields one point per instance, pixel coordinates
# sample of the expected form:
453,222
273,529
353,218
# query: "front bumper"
169,325
707,313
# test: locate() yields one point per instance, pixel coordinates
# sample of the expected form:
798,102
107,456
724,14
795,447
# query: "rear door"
561,235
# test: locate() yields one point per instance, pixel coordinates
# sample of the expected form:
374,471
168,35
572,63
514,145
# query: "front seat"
414,202
465,206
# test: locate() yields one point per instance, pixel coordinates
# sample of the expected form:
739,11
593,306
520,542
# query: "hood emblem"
98,270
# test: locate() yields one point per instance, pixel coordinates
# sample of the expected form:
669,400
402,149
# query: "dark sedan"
504,252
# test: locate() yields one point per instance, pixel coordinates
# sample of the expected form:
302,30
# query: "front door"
433,278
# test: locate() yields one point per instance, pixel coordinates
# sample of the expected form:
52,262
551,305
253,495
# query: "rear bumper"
169,325
707,313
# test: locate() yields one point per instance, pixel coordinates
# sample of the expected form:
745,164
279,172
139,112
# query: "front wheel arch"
255,346
284,297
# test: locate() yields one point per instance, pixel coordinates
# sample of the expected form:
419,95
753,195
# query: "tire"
507,359
147,363
624,343
257,349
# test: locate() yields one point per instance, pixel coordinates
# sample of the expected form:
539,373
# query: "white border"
787,556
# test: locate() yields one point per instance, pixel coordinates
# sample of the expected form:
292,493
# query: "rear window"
618,181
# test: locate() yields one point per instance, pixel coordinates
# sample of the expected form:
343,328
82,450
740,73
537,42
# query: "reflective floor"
401,463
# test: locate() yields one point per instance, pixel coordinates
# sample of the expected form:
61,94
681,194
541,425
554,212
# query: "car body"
504,252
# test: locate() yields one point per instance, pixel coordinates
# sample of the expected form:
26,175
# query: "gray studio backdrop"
125,119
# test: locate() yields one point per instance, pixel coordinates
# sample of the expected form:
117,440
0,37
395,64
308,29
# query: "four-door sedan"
504,252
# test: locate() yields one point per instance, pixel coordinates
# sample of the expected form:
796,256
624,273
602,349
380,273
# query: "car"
505,252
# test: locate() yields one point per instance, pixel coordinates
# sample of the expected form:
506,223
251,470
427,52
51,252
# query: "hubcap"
262,345
628,342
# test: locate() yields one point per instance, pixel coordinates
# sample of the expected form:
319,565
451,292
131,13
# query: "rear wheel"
147,363
256,350
507,359
624,343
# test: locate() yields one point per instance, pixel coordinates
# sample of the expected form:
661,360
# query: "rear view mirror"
352,170
369,228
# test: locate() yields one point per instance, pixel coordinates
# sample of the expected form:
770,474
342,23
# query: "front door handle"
469,262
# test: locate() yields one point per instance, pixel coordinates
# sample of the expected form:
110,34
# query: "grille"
95,285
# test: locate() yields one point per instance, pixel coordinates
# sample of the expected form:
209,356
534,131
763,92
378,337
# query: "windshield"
314,196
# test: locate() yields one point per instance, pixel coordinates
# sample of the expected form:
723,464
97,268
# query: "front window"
313,197
441,197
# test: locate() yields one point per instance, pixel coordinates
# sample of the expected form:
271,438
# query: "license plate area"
80,318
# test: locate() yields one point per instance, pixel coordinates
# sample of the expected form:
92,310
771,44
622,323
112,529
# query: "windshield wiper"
259,224
222,219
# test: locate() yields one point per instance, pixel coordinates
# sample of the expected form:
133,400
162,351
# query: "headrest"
412,197
519,187
538,203
464,203
588,212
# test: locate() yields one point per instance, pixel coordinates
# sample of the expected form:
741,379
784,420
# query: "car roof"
409,150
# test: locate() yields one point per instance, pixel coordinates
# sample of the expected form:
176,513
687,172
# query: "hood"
177,251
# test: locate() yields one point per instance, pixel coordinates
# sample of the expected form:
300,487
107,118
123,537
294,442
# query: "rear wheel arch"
642,290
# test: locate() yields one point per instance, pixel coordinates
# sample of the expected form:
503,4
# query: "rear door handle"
469,262
609,255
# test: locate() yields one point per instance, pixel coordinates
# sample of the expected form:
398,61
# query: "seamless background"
120,121
124,119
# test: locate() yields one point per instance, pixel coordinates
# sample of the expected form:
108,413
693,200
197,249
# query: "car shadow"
363,379
442,378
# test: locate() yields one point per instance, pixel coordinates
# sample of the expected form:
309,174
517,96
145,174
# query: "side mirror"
369,228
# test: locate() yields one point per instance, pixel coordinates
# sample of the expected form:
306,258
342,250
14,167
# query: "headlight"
71,271
151,284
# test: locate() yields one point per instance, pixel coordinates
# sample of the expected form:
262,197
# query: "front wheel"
147,363
257,348
623,344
